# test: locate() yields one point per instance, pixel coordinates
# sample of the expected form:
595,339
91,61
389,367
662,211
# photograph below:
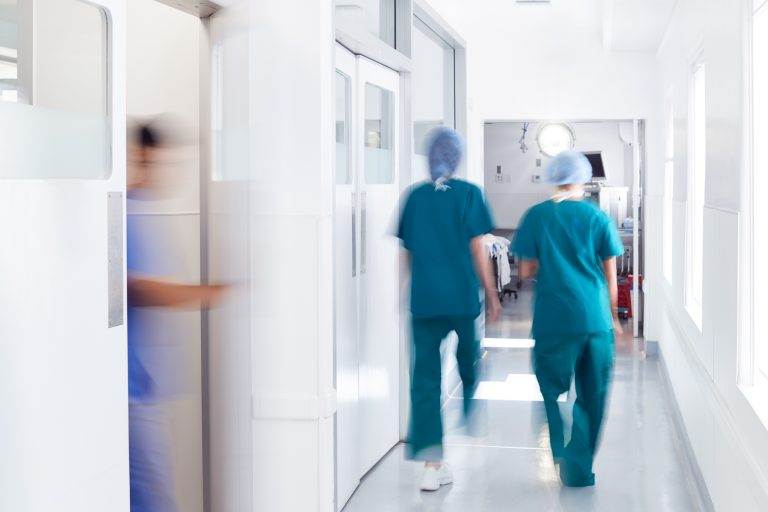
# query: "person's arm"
528,269
485,274
153,292
609,269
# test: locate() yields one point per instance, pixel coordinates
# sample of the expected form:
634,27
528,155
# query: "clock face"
554,138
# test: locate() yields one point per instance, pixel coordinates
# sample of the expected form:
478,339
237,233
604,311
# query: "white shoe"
434,477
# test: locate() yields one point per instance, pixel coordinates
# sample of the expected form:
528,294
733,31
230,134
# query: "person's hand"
212,294
493,308
617,327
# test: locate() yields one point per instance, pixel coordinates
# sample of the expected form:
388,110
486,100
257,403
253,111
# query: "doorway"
516,155
163,83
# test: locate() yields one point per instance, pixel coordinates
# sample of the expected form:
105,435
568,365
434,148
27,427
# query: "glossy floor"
507,465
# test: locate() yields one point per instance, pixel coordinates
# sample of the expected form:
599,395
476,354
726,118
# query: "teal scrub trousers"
589,358
426,431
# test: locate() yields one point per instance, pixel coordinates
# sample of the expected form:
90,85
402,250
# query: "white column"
291,139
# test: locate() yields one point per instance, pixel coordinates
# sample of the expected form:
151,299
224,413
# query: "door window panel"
343,174
378,136
53,87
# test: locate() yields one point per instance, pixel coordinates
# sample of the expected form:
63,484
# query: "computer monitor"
596,160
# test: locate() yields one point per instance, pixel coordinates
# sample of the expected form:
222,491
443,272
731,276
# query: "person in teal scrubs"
570,246
441,227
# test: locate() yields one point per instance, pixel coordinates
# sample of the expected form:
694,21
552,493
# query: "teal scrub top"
570,240
436,227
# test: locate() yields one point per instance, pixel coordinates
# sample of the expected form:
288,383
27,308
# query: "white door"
378,117
63,373
366,271
346,271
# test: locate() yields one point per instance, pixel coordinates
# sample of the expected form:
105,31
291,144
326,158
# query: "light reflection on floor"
510,343
517,388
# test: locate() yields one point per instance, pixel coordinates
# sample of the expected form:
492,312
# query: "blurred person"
442,225
150,360
570,246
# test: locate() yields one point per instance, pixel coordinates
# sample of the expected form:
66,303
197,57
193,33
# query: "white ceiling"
635,25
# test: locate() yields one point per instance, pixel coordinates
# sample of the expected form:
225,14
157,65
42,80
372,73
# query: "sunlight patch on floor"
517,388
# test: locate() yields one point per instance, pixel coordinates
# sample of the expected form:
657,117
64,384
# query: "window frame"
424,27
433,20
669,195
759,350
752,371
696,186
752,381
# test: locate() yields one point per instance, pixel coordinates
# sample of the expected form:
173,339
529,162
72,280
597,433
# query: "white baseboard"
696,481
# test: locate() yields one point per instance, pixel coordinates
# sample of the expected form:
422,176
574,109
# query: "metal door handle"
354,234
363,235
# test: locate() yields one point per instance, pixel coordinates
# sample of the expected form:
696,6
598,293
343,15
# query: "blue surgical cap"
445,150
569,168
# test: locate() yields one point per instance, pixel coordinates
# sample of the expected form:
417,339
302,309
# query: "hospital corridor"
383,255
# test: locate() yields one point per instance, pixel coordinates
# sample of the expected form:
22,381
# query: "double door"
366,267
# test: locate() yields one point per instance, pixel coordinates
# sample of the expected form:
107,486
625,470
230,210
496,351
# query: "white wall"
545,62
730,442
510,199
291,231
163,77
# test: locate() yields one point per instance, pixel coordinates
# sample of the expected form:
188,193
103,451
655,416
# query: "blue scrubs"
572,322
150,448
436,227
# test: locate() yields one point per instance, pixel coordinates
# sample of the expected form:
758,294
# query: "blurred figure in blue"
570,247
441,227
150,361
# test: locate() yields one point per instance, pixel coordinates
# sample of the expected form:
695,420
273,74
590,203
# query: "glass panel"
433,84
760,176
378,136
54,90
343,176
374,17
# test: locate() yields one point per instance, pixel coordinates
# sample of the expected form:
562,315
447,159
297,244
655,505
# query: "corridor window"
697,157
669,183
759,179
433,90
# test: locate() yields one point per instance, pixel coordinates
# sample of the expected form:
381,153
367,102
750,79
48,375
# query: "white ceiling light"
553,138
